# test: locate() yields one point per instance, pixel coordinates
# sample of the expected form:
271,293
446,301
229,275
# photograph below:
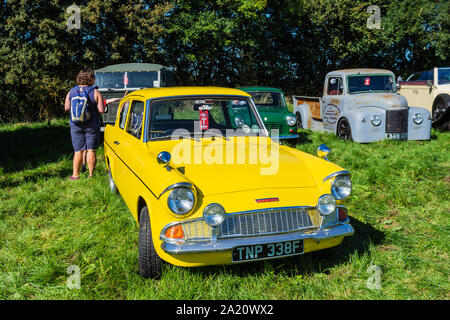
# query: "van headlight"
291,121
376,120
418,119
341,187
326,204
181,201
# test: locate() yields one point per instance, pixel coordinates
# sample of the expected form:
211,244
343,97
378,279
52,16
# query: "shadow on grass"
314,262
12,182
29,148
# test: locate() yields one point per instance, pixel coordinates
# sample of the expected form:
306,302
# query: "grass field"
400,209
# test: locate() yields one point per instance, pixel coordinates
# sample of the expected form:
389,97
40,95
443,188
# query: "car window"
335,86
370,83
110,80
136,119
123,114
267,99
443,75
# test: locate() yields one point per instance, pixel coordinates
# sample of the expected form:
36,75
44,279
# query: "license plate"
267,250
397,136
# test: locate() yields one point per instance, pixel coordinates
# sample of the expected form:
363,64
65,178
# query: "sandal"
74,179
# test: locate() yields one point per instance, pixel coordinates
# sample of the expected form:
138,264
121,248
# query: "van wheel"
150,264
299,120
343,130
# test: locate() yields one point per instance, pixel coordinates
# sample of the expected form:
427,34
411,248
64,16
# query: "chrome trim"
338,173
294,136
176,185
228,244
274,221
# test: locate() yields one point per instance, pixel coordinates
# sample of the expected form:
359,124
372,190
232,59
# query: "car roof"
151,93
346,72
133,67
260,89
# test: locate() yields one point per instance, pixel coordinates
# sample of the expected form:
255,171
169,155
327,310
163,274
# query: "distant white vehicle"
362,105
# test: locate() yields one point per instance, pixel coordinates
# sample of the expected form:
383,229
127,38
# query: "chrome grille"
265,222
256,223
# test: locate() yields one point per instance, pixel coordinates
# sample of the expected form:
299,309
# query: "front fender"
423,130
363,130
305,113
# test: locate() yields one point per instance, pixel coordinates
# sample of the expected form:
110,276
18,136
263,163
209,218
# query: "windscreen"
122,80
110,80
142,79
444,75
197,115
371,83
267,99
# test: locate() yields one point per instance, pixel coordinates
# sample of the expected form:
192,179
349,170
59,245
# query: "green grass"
400,209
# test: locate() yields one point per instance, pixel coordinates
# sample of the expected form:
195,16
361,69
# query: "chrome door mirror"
323,151
164,157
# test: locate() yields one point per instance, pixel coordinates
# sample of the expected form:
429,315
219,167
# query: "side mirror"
323,151
429,83
398,87
164,157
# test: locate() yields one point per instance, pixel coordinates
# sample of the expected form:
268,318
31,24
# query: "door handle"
116,142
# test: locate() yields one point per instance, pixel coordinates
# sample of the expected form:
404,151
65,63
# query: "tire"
111,183
344,131
299,120
150,264
440,113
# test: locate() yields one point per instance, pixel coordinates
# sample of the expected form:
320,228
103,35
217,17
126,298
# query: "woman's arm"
99,100
67,103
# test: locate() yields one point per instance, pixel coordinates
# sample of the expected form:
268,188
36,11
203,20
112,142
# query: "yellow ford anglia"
208,186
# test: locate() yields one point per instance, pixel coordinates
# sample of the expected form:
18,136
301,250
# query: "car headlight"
291,121
326,204
418,119
341,187
214,214
181,201
239,122
376,120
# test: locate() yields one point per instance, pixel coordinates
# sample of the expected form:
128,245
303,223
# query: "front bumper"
222,245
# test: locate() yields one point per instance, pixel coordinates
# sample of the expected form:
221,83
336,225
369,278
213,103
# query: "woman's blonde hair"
86,77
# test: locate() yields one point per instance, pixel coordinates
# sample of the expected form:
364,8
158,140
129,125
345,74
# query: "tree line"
289,44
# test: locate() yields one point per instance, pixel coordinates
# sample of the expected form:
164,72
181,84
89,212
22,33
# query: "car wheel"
299,120
439,112
111,183
150,264
343,130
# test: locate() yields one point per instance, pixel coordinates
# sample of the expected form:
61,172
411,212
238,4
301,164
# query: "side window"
334,86
136,119
123,114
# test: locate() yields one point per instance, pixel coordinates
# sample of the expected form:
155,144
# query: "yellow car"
208,187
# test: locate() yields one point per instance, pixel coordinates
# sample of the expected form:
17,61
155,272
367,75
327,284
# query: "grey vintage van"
114,80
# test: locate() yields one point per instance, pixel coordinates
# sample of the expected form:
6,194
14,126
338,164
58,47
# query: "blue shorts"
85,137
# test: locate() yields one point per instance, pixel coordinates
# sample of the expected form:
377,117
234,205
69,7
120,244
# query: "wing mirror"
164,157
323,151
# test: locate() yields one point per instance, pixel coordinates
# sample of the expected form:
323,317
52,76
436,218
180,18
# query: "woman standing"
86,135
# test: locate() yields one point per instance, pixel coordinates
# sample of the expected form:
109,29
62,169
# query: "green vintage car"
273,110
